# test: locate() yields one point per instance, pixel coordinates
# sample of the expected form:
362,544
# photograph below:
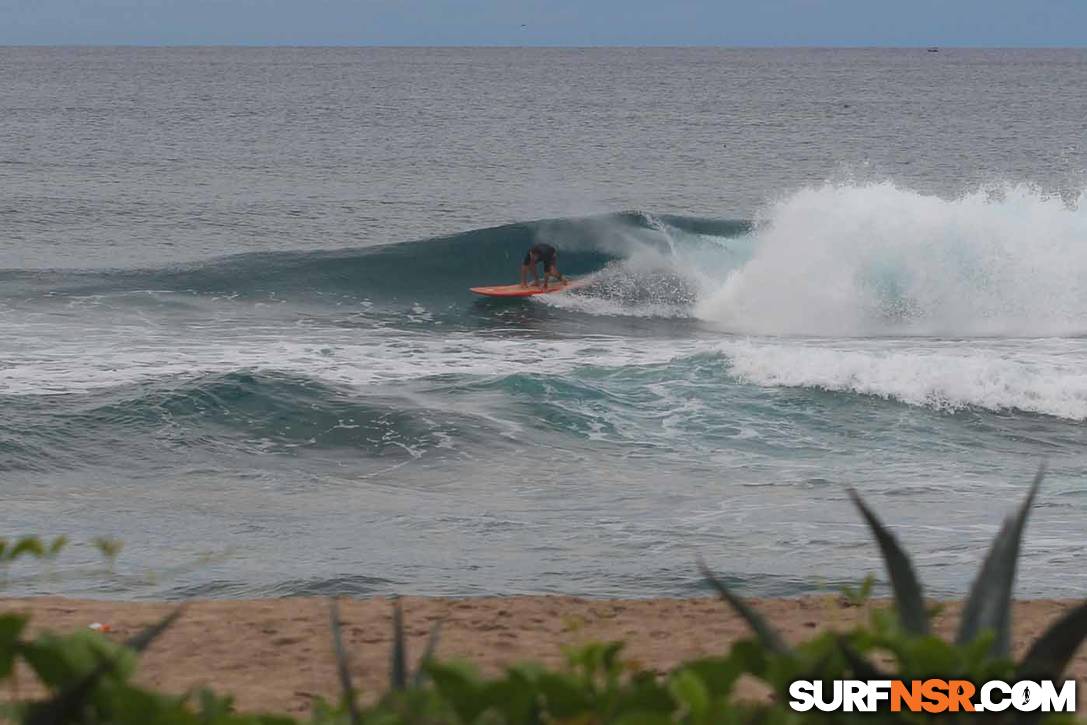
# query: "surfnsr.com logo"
932,696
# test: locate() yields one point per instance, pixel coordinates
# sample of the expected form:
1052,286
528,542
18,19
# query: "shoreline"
275,655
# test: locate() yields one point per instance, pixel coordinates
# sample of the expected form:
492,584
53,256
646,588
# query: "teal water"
236,319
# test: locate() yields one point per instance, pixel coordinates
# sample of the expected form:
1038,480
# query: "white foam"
607,307
1046,377
862,259
1040,376
119,356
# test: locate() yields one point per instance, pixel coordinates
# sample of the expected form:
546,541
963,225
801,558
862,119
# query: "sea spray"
876,259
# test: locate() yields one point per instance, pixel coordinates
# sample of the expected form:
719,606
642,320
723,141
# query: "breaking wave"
877,259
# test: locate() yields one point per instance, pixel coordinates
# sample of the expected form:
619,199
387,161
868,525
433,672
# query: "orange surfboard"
516,290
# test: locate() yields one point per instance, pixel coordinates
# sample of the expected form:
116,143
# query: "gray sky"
554,22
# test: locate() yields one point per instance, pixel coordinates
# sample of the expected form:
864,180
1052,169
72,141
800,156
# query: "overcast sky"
546,22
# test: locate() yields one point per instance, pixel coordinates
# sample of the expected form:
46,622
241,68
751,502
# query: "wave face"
436,270
876,259
237,412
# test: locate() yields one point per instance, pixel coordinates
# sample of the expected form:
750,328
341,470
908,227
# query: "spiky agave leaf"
398,672
988,607
428,654
766,634
11,629
343,670
909,601
143,639
1051,652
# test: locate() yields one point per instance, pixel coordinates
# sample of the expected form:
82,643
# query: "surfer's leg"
553,267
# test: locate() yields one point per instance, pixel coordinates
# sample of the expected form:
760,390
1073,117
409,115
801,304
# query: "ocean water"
237,333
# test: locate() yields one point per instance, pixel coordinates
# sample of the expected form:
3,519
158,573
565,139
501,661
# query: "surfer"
545,254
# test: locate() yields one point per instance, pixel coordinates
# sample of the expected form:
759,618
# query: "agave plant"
399,679
984,632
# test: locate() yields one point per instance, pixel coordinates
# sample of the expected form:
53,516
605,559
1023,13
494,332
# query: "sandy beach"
275,655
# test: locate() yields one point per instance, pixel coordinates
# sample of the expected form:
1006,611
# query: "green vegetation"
858,596
88,677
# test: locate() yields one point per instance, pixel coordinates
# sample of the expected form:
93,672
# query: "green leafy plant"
31,546
859,595
108,548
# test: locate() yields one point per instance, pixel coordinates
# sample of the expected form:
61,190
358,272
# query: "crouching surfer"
543,254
